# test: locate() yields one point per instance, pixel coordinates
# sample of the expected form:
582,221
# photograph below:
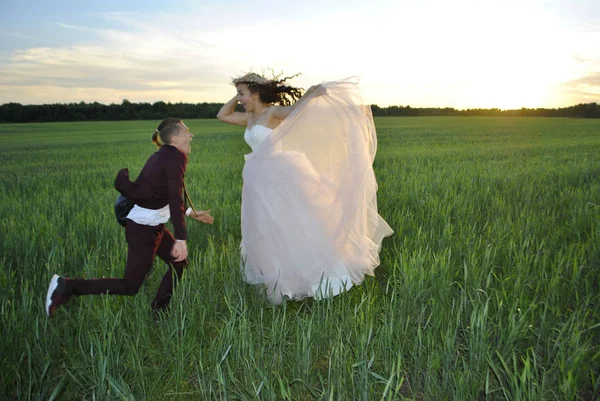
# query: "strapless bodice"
256,135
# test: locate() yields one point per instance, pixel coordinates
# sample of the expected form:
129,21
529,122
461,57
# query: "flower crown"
251,78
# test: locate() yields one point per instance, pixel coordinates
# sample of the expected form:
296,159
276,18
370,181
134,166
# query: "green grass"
488,290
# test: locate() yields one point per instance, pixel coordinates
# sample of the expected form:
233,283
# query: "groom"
157,194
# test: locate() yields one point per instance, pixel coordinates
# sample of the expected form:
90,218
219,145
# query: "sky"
423,53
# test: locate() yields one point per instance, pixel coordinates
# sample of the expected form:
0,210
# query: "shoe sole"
51,288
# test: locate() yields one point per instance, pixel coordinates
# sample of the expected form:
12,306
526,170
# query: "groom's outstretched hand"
203,216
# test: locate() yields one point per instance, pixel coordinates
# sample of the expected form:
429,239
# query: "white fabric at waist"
149,217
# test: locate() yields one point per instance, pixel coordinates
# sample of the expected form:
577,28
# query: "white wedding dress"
310,226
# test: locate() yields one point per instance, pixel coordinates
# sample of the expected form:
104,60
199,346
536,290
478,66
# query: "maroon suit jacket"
160,183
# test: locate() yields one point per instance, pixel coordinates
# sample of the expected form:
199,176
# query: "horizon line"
408,106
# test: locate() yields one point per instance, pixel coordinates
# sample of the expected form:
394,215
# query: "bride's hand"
203,216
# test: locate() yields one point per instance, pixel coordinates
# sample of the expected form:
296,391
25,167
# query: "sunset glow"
464,54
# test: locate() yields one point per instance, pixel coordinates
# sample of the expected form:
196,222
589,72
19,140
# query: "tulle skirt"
310,226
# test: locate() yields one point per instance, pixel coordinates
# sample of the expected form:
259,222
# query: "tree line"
583,110
18,113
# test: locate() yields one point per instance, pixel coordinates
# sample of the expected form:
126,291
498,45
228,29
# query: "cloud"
585,89
151,55
16,35
77,28
591,80
146,61
48,94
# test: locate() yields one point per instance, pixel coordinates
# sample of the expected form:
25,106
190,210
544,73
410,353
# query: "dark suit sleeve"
175,172
138,191
122,182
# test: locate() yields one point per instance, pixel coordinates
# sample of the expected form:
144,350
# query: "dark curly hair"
270,91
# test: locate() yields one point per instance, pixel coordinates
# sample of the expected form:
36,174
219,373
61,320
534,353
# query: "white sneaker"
55,295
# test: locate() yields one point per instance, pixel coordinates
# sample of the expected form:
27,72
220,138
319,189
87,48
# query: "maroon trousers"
144,242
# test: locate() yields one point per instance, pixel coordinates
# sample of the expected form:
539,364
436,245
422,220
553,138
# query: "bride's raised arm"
228,115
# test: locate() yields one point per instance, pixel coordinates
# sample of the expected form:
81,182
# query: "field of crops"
488,290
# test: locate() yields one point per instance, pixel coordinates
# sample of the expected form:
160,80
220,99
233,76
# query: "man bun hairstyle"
165,131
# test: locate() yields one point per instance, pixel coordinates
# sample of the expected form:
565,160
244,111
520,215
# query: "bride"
310,226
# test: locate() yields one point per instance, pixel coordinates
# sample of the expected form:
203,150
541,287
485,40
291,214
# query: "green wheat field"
488,290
